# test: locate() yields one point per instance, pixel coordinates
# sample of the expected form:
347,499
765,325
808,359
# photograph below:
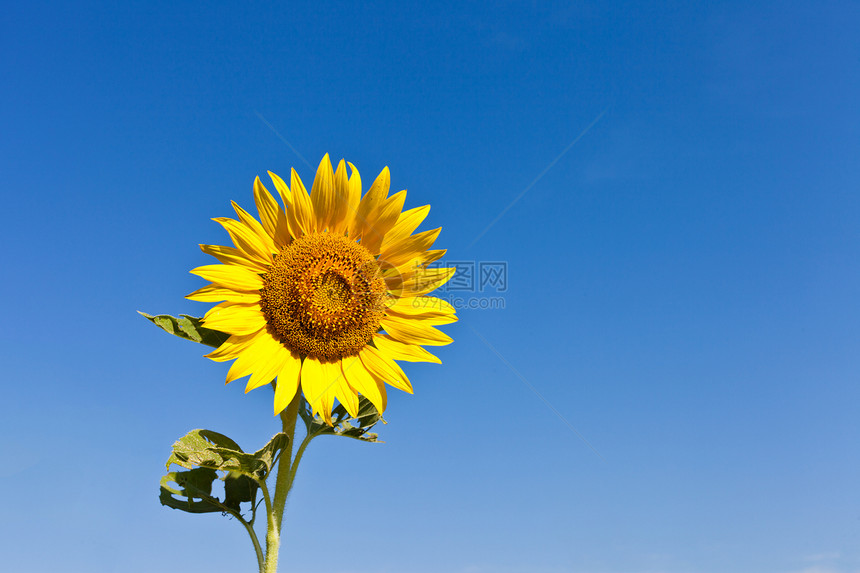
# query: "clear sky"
682,283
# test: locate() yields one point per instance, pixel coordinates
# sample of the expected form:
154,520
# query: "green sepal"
188,327
343,424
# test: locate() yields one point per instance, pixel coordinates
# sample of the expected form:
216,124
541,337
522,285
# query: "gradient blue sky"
683,282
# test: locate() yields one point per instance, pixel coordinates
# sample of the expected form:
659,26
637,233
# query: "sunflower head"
326,291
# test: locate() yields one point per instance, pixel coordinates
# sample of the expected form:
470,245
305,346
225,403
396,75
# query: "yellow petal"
384,369
214,293
340,216
318,390
249,221
409,248
422,282
272,217
275,358
283,190
252,357
235,318
232,347
370,204
427,309
232,256
322,194
267,207
354,199
246,240
344,394
364,382
241,367
413,331
300,214
433,255
374,232
401,351
406,224
288,382
416,267
421,305
230,276
429,320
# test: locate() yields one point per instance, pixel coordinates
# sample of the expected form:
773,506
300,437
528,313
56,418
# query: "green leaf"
239,488
342,423
204,453
188,327
195,489
194,449
208,449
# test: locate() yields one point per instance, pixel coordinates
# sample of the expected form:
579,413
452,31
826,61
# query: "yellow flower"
327,292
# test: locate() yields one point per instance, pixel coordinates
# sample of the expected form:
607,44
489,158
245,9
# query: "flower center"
323,296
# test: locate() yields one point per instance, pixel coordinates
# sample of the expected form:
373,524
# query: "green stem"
299,453
283,484
266,497
273,537
257,548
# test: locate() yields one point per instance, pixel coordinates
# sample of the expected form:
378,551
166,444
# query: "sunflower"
327,293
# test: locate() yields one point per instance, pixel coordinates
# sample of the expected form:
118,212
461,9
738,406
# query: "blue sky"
682,282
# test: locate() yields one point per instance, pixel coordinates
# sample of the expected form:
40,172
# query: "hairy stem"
257,549
283,484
